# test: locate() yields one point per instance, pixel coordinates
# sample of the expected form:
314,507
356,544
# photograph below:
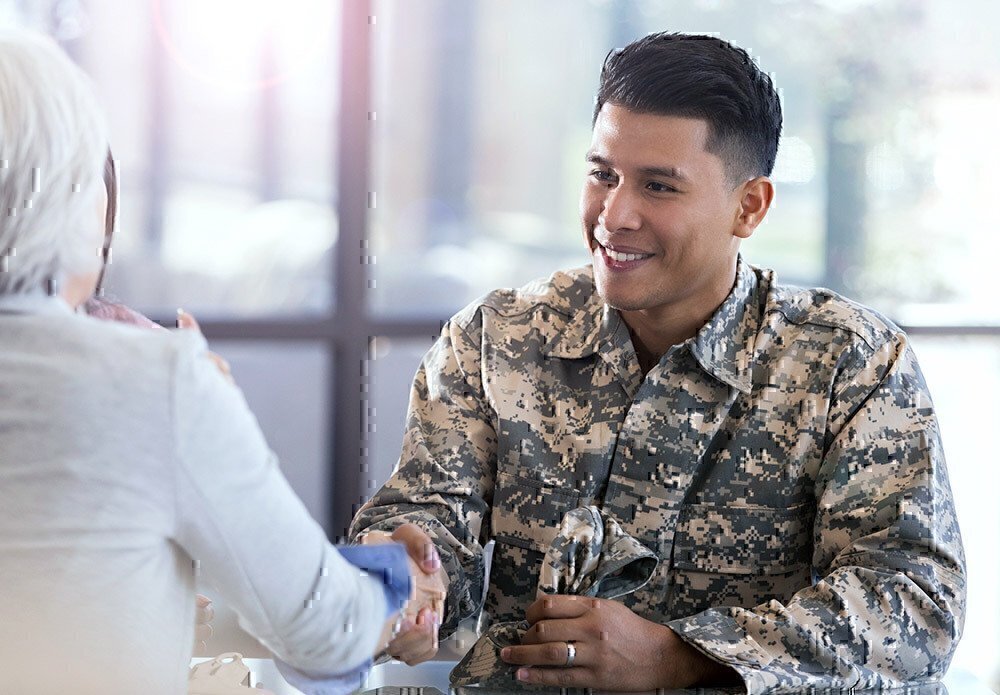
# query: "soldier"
775,447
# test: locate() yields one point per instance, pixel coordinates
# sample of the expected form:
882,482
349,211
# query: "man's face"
658,214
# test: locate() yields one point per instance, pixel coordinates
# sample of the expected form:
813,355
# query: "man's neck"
656,330
653,335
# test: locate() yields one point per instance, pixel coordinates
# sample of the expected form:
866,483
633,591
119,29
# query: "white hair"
53,145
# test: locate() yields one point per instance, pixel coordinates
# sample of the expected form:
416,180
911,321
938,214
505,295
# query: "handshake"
413,636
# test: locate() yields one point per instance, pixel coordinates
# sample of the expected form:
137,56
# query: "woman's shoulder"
129,347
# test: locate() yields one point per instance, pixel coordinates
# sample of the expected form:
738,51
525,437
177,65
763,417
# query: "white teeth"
623,257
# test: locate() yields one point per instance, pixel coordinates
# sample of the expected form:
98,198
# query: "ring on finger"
570,654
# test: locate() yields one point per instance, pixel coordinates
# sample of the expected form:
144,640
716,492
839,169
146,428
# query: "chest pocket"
739,556
527,511
525,518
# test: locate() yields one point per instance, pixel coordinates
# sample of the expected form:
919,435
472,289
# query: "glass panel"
963,375
884,173
286,386
396,361
223,116
476,167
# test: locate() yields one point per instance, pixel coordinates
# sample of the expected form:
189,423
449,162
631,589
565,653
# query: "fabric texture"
388,562
590,556
129,465
784,464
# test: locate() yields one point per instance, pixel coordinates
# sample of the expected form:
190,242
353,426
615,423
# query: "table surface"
396,678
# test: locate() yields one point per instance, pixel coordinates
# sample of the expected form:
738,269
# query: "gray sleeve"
247,531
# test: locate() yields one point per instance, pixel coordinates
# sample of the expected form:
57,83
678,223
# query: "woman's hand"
187,322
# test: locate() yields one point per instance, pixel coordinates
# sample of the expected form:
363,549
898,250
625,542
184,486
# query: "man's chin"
622,302
622,293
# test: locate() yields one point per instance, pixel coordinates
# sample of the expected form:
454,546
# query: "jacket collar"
723,347
598,329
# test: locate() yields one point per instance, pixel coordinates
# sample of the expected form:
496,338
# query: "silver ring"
570,654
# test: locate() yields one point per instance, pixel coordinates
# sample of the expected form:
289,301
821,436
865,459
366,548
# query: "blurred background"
323,183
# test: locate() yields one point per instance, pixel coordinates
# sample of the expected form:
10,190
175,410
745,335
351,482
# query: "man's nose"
620,211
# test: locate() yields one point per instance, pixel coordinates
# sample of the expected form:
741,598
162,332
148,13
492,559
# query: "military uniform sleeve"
888,599
445,476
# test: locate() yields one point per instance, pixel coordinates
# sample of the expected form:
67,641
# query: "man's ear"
756,196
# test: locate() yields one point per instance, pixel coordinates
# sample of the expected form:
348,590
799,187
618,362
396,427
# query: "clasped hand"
615,649
416,638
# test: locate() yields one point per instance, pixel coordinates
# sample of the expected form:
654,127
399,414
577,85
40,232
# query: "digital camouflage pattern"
784,464
590,556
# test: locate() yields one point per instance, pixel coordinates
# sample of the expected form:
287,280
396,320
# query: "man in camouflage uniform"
775,447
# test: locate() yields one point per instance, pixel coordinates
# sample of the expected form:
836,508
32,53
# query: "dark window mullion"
350,398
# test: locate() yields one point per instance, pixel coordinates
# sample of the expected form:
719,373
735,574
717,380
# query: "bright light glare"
966,179
884,168
223,42
795,162
229,237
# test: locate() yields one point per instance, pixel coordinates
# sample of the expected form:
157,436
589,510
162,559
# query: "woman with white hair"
128,462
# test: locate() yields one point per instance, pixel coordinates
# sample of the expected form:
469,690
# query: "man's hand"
417,639
615,649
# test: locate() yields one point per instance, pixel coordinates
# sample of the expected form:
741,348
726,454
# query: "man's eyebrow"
662,172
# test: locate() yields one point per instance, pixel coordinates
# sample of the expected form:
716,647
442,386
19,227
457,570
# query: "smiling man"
775,447
663,218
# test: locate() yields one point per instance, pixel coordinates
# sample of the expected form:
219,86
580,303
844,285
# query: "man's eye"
657,187
603,176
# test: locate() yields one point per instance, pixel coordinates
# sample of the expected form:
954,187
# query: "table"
396,678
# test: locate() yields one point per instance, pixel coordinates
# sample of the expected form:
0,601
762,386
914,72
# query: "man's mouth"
622,258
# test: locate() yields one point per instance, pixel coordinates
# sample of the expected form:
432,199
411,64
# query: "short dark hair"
696,76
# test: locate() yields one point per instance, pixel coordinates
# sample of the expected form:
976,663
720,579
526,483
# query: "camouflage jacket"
784,464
